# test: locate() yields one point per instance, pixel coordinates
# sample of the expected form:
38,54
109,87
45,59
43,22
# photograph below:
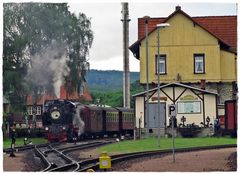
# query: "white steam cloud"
77,121
48,68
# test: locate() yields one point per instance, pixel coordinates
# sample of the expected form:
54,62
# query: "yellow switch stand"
104,161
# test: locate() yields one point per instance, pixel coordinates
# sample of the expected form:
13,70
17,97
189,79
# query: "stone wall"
226,91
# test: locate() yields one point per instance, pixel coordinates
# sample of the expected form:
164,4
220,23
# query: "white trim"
175,84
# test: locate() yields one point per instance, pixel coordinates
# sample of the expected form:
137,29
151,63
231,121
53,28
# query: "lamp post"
147,85
162,25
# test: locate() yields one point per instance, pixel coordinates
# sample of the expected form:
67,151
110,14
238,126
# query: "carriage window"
114,116
126,117
110,117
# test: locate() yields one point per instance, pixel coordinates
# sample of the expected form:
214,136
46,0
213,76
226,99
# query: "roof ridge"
192,17
214,16
154,17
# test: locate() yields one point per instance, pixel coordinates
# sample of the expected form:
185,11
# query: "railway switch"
104,161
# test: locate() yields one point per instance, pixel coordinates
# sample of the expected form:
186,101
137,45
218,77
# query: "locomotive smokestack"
126,72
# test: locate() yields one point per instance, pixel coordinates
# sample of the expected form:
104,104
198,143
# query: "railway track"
56,159
28,147
94,163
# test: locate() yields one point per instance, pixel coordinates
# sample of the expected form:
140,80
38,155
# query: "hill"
107,81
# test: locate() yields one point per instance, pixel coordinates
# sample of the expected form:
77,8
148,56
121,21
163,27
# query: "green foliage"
165,143
115,98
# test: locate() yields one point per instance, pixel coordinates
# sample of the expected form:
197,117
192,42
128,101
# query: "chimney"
178,8
203,84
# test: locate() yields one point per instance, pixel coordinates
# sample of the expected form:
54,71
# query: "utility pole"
126,71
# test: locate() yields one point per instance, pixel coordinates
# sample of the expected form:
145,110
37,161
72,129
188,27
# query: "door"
153,115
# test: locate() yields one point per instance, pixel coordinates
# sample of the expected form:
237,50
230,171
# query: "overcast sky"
107,50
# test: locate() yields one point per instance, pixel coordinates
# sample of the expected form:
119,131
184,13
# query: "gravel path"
200,161
207,160
14,163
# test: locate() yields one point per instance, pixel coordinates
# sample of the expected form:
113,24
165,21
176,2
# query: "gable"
182,32
215,25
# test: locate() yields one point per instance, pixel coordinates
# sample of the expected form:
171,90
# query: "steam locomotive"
67,121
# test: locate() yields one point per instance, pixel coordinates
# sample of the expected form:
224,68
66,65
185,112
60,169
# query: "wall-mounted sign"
161,98
188,107
189,97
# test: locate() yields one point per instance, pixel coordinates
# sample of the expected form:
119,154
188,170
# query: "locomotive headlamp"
46,128
63,127
55,114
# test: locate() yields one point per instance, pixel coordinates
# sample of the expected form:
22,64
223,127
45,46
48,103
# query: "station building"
197,66
196,105
197,51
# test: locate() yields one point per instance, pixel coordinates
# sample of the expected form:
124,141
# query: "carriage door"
153,114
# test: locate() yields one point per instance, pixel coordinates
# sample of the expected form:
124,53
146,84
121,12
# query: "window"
162,64
189,107
29,110
199,64
38,110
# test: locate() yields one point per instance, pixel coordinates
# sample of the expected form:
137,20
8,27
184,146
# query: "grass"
20,142
165,143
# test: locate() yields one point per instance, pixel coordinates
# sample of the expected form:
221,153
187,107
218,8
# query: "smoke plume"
77,121
48,68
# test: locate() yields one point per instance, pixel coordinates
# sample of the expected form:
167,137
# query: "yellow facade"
179,43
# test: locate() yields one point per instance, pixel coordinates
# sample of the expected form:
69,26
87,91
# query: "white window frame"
162,61
38,110
29,110
199,60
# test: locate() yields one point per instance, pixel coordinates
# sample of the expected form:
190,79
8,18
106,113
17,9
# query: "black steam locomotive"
64,120
57,120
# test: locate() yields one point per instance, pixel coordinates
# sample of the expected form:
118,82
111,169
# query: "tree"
29,30
115,98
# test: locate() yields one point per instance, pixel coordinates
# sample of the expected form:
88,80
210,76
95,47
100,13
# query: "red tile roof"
63,95
222,27
151,25
225,27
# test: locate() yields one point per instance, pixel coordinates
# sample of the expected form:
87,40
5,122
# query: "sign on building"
172,110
